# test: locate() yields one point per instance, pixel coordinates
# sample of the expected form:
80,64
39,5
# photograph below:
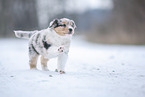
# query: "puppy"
49,43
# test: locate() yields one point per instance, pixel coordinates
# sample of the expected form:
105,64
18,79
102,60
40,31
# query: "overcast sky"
83,5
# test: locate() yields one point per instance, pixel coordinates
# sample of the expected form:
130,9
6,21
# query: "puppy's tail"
24,34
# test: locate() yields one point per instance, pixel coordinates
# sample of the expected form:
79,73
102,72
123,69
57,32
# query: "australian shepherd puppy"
49,43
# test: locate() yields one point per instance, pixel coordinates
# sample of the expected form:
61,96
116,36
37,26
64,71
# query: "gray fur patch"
37,38
34,49
46,45
30,35
30,50
22,35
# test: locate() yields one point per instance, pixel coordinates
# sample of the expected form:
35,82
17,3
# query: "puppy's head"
63,26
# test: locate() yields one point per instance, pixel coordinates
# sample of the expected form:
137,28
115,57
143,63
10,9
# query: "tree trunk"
17,14
130,15
126,25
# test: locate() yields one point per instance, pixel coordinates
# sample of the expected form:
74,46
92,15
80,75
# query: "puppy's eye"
64,25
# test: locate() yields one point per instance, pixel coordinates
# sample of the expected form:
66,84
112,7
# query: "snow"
93,70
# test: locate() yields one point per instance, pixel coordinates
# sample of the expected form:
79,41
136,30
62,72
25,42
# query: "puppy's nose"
70,30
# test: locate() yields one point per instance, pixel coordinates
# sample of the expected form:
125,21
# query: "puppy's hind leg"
33,62
33,56
44,63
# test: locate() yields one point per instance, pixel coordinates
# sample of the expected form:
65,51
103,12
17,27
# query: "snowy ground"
93,70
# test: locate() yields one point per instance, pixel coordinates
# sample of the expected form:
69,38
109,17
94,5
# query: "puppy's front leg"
61,62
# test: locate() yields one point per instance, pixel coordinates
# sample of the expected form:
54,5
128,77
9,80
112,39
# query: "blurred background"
100,21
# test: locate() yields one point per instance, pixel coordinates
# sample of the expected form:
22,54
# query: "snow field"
92,70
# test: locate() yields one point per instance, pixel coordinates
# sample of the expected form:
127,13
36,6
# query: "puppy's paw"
60,71
33,69
61,49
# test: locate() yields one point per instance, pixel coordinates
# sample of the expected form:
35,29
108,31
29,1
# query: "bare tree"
17,14
6,21
126,24
129,14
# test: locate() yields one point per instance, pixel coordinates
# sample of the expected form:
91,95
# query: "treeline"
17,14
125,23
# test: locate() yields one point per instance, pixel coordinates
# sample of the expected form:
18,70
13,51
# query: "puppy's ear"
53,23
74,25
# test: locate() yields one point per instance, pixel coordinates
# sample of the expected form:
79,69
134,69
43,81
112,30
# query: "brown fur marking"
44,61
33,62
61,31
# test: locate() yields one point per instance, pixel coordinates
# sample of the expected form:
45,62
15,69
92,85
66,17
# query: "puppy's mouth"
69,33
